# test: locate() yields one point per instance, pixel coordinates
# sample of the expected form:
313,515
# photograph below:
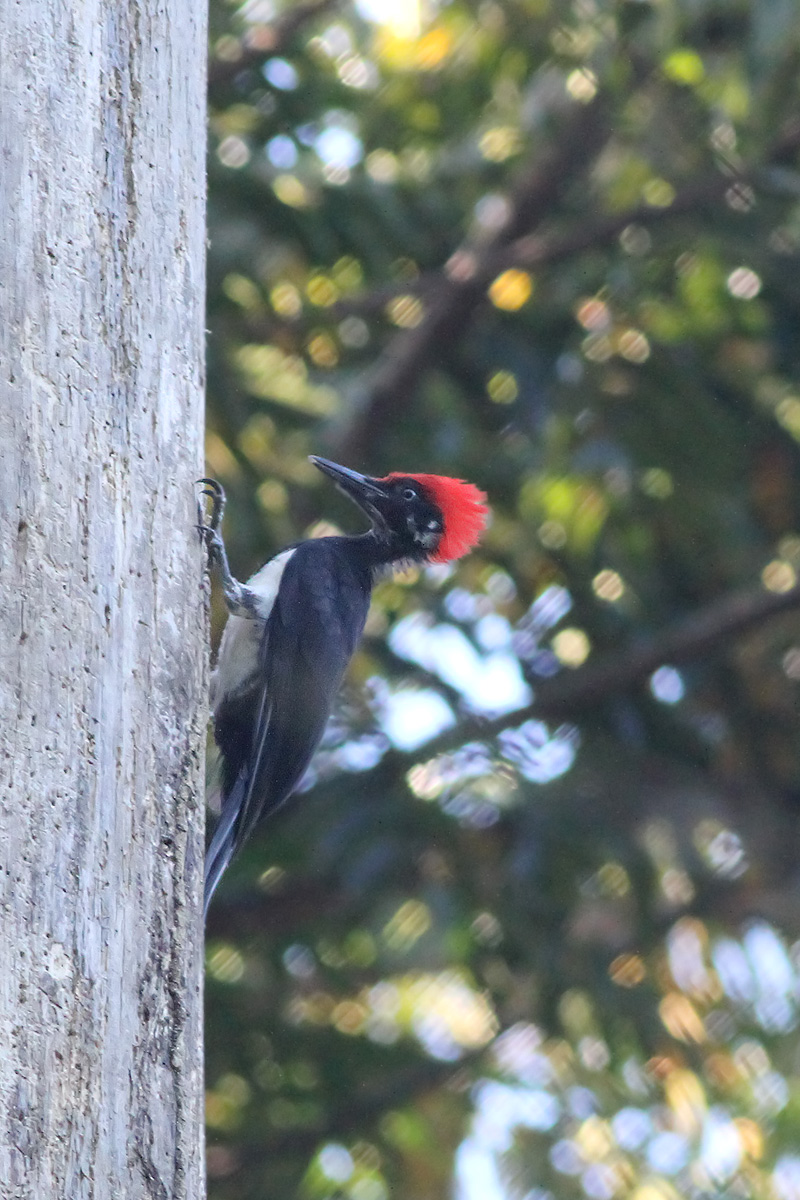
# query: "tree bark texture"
102,616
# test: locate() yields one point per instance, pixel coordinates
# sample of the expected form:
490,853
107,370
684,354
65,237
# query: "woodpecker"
292,629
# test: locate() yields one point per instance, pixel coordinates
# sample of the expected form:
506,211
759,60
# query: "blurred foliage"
549,247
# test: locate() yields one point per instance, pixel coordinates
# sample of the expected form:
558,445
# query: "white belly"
237,660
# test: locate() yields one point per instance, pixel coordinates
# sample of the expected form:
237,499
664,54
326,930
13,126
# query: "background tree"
532,927
102,625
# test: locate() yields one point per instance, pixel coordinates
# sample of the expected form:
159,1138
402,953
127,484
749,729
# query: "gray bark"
102,619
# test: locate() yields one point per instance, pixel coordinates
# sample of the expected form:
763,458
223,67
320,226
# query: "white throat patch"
427,537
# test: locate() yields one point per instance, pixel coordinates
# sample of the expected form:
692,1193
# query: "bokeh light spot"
499,143
658,193
290,191
667,685
336,1162
681,1018
511,290
321,290
433,48
552,535
339,147
627,970
502,387
607,585
571,647
233,152
224,963
743,283
787,412
633,345
685,67
657,483
273,497
779,576
406,311
281,151
411,921
594,315
281,74
322,350
382,166
582,84
286,300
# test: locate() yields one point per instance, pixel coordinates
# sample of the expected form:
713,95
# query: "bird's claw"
237,597
216,494
208,524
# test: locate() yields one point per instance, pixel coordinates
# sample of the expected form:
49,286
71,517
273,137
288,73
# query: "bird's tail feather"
223,844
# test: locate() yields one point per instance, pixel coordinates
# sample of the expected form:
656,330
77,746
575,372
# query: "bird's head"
429,518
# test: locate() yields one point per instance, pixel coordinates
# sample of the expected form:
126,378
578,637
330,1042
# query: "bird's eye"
409,494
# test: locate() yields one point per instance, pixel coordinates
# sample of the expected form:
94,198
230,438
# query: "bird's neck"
383,550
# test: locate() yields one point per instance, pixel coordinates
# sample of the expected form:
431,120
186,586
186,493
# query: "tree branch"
531,252
572,693
454,297
567,696
534,251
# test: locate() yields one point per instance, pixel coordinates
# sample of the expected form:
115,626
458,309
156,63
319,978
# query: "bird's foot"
239,599
209,522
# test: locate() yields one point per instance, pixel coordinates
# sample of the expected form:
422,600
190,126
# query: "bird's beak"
363,489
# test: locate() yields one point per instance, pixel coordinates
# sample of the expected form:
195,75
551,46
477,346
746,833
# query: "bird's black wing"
314,627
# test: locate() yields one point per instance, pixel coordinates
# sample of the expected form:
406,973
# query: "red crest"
464,512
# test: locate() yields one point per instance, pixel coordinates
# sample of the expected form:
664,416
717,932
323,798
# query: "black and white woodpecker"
293,628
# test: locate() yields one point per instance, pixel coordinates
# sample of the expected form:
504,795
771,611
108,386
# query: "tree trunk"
102,624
